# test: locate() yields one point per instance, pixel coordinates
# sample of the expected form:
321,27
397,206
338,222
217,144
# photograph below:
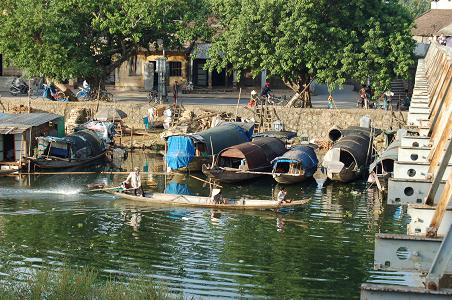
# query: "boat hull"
345,175
195,165
206,202
228,176
65,164
289,179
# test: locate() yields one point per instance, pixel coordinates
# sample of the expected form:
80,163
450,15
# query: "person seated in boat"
242,165
282,196
133,182
217,197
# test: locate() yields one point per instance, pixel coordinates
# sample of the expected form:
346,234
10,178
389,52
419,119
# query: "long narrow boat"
206,202
8,171
245,161
296,165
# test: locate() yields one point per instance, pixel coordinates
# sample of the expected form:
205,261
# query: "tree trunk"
66,90
302,97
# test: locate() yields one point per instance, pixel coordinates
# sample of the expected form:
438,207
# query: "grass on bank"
81,284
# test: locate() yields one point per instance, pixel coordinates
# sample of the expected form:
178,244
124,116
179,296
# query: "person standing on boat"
133,181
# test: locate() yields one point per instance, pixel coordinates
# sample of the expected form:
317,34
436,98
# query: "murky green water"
322,251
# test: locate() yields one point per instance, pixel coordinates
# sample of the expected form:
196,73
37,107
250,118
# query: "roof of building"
447,30
18,123
432,21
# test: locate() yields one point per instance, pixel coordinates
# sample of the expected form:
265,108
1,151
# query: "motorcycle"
18,87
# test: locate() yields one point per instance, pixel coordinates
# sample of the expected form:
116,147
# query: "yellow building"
131,74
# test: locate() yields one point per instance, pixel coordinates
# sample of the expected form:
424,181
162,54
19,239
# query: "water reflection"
297,253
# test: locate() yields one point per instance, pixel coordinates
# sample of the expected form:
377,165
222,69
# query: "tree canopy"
416,7
331,41
85,38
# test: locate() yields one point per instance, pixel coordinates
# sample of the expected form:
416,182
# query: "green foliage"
74,284
416,7
329,40
85,38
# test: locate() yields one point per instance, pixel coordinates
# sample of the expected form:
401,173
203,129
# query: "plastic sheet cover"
181,151
177,189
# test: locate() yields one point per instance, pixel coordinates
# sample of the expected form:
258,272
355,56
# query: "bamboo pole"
85,173
237,106
205,181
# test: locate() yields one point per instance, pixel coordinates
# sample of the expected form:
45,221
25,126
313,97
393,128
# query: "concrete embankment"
312,123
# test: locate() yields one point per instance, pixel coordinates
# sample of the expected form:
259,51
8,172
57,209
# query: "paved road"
345,98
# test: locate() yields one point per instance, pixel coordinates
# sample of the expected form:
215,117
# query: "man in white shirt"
282,195
134,181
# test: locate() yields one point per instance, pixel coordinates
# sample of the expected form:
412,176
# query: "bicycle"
92,95
272,99
153,97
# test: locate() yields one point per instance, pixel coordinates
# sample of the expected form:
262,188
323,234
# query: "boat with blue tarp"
296,165
188,152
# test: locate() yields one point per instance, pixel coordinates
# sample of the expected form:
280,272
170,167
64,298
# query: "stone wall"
313,123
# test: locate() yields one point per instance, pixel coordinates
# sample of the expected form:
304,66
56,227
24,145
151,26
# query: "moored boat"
350,156
207,202
245,161
82,148
188,152
296,165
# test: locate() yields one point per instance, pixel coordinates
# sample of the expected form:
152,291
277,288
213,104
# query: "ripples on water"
322,251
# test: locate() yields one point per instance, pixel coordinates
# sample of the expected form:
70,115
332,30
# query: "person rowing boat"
133,182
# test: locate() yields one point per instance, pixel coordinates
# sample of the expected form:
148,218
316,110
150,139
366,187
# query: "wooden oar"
104,189
112,188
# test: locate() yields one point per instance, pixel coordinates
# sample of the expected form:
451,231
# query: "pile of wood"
77,116
192,122
323,144
20,109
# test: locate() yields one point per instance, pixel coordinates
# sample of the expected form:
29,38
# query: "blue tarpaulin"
181,151
177,189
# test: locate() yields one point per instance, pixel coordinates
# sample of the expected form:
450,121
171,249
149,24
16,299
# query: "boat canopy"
224,135
258,153
181,148
79,145
303,154
385,163
282,135
105,130
354,148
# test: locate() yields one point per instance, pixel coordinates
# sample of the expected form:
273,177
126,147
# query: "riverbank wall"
311,123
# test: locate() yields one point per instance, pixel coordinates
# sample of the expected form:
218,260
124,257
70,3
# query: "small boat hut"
245,161
81,148
296,165
18,134
191,151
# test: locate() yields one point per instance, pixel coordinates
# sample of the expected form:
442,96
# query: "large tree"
416,7
89,39
329,40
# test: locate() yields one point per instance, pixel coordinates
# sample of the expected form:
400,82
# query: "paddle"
106,189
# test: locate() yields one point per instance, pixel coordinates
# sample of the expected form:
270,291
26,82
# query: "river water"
322,251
